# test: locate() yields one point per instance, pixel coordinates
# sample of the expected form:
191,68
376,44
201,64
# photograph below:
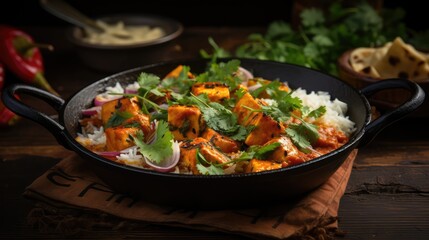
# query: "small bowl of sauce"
127,41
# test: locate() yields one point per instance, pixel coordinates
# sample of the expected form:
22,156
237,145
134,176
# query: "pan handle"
11,101
417,98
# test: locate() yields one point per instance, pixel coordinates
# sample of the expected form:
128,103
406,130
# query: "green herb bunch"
322,37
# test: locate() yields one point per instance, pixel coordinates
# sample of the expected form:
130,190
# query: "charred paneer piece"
224,143
256,165
176,72
130,107
287,153
188,154
185,122
265,129
244,114
216,92
120,138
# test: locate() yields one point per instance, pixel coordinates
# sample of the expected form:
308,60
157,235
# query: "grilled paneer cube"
188,154
128,105
119,138
224,143
287,153
130,108
265,129
186,122
256,165
215,91
244,114
176,72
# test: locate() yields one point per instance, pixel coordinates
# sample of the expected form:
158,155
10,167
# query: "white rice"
335,109
131,156
97,137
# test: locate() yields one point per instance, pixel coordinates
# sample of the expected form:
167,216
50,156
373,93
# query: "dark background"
190,13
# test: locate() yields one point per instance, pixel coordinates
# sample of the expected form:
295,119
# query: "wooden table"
387,196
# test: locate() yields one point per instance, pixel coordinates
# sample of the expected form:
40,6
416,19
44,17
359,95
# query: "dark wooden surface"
387,196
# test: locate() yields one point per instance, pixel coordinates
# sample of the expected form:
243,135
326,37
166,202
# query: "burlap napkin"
70,191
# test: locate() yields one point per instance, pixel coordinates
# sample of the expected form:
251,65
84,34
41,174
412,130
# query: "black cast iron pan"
223,191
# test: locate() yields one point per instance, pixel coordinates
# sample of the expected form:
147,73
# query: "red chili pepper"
7,117
22,56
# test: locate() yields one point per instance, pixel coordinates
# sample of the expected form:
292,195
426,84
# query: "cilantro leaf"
118,118
216,116
148,81
161,148
205,167
222,72
312,17
258,152
302,135
180,85
275,113
316,113
218,52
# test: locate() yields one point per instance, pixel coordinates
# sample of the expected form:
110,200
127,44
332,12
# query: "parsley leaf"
161,148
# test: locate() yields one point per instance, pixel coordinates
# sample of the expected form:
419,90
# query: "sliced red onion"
245,73
168,164
108,154
132,88
163,106
91,111
151,138
101,99
254,87
131,91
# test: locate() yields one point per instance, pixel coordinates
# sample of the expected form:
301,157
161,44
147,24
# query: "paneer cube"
129,105
215,91
224,143
143,121
287,153
265,129
256,165
244,114
185,122
176,72
188,154
119,138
